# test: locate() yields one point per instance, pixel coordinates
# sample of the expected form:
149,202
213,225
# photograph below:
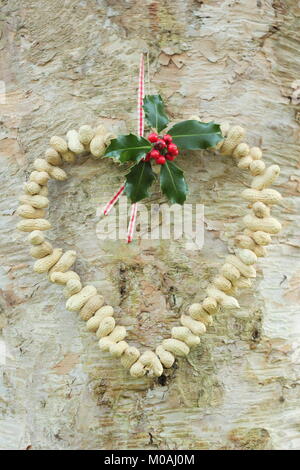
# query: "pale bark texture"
68,63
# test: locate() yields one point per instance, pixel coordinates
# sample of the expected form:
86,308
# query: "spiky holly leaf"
172,183
155,112
138,181
127,148
194,135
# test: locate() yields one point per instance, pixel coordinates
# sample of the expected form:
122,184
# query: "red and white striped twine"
132,222
141,94
140,113
113,200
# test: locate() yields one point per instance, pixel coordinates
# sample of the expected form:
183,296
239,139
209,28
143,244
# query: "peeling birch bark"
66,64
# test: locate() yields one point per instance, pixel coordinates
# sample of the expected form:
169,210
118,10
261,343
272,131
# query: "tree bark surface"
68,63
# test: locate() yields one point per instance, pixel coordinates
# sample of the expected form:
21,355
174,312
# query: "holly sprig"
185,135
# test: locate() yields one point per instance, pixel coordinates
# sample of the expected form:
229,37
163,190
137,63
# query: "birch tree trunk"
68,63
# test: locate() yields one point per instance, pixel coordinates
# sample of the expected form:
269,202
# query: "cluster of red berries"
163,148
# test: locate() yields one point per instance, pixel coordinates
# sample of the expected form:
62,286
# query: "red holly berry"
161,160
160,144
154,154
167,138
147,157
172,149
153,137
170,157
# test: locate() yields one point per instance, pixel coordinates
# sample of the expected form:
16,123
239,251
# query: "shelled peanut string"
237,271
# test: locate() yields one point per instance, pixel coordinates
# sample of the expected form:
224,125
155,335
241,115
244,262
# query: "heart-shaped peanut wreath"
236,273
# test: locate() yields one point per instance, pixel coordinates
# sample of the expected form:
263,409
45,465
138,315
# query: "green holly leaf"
155,112
127,148
194,135
138,181
172,183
